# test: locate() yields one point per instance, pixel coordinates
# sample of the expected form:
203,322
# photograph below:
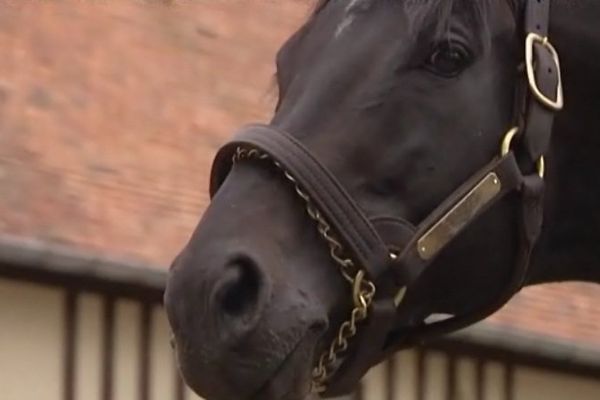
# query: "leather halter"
538,97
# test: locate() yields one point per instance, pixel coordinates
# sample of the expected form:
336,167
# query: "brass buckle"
507,141
505,148
532,39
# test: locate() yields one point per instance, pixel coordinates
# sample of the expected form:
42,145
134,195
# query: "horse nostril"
239,294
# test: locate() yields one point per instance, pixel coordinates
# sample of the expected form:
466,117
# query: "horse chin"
292,380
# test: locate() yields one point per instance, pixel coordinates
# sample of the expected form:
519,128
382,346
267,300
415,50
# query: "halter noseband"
379,275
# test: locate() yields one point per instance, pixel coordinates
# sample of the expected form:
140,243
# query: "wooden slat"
89,347
451,378
466,380
435,381
494,378
375,383
162,376
405,381
480,379
421,373
392,372
509,382
126,372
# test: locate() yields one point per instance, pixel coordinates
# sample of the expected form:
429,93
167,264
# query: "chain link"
363,290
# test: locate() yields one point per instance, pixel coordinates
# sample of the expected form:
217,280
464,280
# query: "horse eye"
448,60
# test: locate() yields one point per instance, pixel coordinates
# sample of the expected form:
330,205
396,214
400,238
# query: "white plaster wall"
406,377
126,368
375,383
435,371
494,385
535,384
162,371
31,341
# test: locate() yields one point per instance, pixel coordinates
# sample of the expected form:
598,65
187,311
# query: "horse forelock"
436,14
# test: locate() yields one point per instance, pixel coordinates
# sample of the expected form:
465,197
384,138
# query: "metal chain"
363,290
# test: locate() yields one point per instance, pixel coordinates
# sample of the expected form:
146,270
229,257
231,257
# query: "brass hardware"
505,148
541,167
507,141
363,290
458,217
356,289
533,38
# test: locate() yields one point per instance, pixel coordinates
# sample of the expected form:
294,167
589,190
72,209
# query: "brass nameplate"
458,217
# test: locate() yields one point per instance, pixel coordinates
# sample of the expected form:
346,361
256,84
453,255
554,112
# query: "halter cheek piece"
379,275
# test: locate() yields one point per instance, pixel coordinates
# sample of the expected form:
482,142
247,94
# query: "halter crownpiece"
379,276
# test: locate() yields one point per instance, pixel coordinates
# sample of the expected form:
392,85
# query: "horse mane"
437,14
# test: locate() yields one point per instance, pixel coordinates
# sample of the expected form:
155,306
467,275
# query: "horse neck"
570,245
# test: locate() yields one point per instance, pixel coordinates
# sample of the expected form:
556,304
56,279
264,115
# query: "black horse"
426,141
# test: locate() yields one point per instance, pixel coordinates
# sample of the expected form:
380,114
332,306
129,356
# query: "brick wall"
110,112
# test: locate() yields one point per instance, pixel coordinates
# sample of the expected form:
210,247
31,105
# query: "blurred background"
110,113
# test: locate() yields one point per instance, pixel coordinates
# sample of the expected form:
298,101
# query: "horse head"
400,178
